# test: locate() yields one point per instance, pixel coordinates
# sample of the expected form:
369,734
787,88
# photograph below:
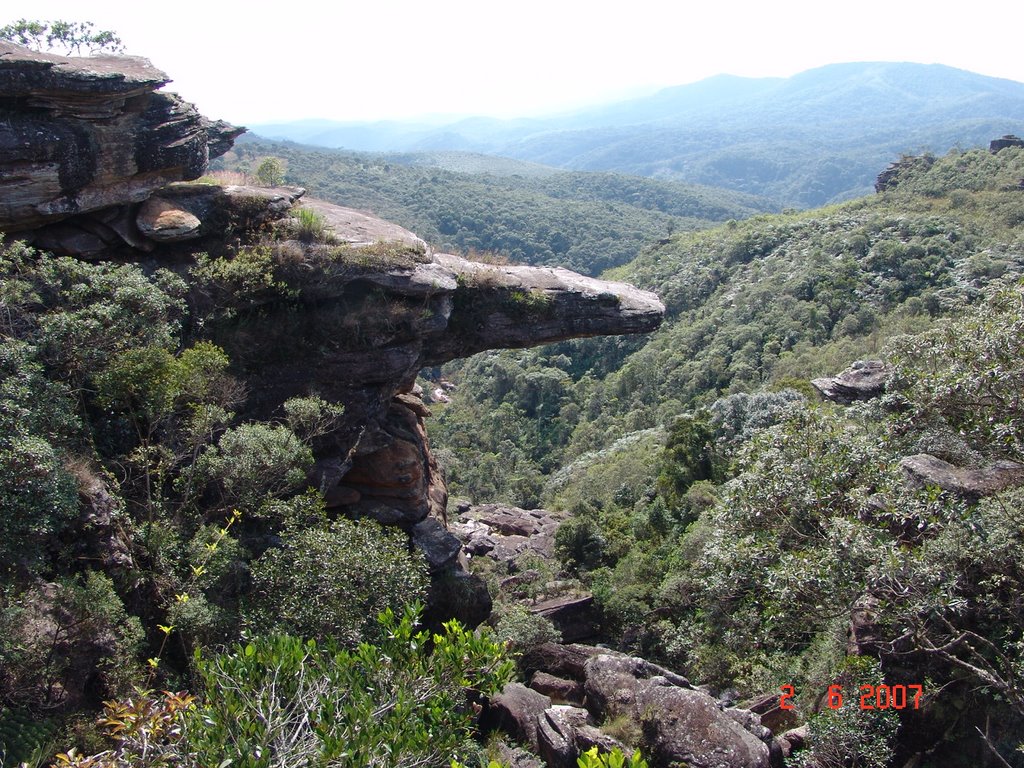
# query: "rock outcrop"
922,470
1009,140
863,380
82,134
507,534
96,162
674,723
890,178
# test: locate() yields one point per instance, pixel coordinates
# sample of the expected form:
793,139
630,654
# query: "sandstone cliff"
94,163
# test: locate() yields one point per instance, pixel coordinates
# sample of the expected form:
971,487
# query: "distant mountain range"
819,136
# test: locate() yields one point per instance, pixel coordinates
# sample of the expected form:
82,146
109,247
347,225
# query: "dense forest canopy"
729,523
586,222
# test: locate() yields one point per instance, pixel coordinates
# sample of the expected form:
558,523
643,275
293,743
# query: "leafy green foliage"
71,36
333,580
519,629
399,703
614,759
270,172
22,736
253,462
54,635
966,377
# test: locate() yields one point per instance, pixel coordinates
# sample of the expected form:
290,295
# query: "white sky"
262,61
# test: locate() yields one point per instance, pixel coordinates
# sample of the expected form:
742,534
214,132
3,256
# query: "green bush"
614,759
520,630
966,376
848,735
333,580
282,701
579,544
311,226
254,462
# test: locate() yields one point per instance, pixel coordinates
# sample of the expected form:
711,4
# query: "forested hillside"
819,136
728,522
587,222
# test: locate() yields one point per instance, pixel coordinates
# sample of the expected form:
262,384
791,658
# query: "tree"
71,36
270,172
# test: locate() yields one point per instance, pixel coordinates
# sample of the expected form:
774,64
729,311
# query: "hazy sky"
263,61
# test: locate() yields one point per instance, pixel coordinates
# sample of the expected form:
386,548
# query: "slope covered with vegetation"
155,533
730,525
816,137
767,302
586,222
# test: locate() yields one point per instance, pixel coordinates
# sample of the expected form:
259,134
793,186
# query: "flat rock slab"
863,380
923,470
359,228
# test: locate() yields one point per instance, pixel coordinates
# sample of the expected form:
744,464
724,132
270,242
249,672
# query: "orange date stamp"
871,696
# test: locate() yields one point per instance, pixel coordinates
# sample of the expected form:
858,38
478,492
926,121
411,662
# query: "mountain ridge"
816,137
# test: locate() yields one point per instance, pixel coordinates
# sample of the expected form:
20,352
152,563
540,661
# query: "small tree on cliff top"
66,37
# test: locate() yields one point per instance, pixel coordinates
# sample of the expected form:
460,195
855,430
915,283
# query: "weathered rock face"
92,163
81,134
673,723
863,380
507,534
923,470
1009,140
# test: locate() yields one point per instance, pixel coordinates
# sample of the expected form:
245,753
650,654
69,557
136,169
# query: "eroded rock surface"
507,534
922,470
83,133
863,380
674,723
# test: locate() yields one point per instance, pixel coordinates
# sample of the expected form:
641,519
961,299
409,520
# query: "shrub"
520,630
614,759
255,461
270,172
311,227
281,701
848,735
967,376
579,544
71,36
332,581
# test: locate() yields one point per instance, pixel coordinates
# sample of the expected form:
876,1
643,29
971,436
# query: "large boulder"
863,380
515,711
923,470
507,534
679,724
686,727
566,661
576,617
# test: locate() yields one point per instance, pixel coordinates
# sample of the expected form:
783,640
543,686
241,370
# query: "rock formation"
863,380
923,470
675,723
81,134
95,162
1009,140
890,178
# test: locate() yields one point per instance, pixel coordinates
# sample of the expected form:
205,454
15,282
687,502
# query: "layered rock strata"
79,134
95,162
